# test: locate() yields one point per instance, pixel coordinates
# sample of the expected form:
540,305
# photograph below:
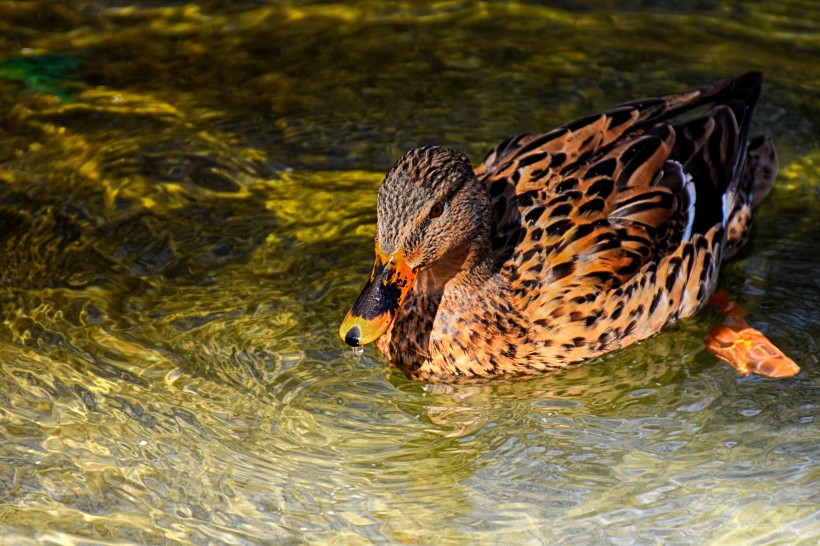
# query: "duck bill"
374,311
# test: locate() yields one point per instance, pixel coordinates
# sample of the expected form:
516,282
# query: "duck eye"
437,209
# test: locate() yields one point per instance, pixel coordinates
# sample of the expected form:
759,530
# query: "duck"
564,245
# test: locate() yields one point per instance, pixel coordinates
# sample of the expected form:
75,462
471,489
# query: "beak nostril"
353,336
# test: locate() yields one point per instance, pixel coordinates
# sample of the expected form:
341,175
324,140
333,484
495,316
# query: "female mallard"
562,245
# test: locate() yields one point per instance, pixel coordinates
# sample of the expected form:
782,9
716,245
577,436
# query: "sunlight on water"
187,204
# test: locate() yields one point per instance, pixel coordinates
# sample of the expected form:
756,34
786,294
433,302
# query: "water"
187,202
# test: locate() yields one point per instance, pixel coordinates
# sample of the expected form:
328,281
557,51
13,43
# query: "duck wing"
591,203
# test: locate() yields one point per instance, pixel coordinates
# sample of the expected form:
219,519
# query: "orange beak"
374,311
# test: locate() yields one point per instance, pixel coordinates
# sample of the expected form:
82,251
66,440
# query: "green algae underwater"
187,210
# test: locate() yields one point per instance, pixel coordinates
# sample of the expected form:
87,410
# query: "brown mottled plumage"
564,245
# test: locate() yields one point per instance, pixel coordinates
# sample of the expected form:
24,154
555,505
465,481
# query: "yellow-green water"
187,201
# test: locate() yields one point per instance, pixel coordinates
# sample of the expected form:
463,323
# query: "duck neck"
477,268
468,266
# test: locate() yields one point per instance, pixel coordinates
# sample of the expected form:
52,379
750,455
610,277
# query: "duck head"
429,204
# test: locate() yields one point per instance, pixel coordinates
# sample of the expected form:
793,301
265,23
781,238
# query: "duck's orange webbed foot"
744,348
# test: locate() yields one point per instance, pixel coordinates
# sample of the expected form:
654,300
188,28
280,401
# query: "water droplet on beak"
358,351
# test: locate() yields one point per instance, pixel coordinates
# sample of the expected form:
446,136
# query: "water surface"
187,209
